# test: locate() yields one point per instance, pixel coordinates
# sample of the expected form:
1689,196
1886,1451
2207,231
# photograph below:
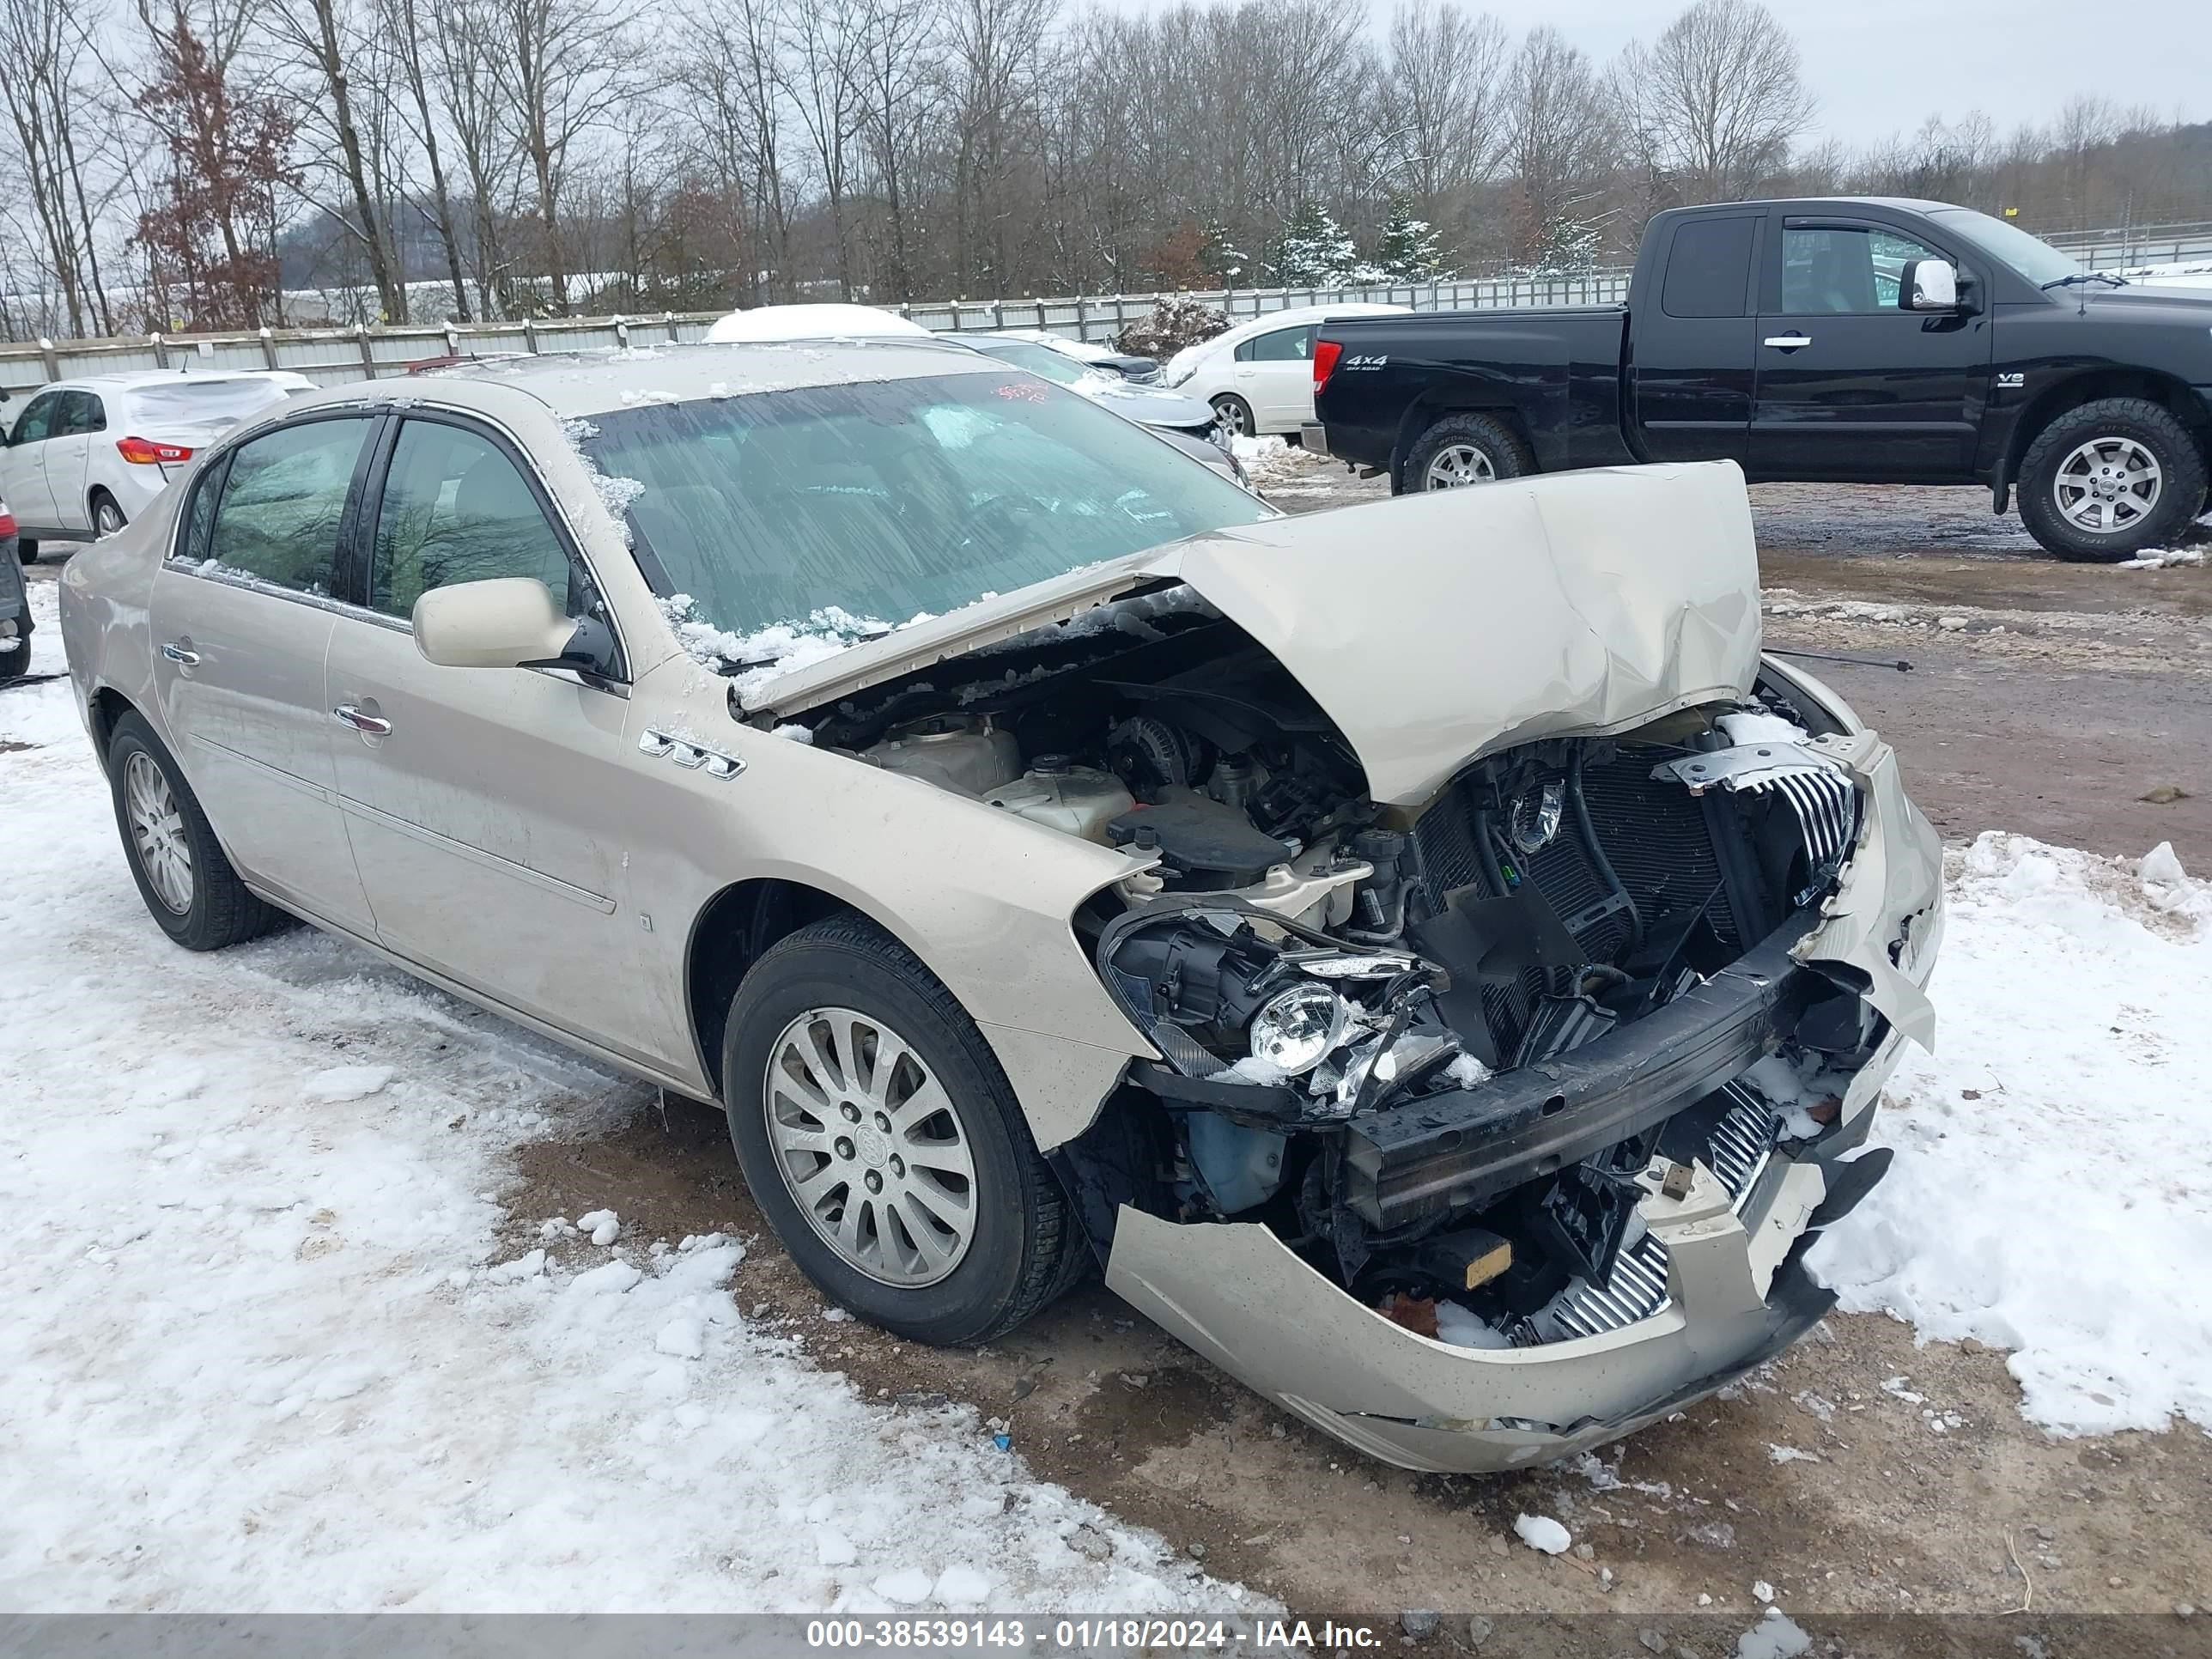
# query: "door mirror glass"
1929,285
507,622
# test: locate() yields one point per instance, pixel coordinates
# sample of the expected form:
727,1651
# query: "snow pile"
2162,558
780,648
2187,274
2052,1192
267,1351
1540,1532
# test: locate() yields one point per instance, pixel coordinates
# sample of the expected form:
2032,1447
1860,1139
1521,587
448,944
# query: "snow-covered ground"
2191,273
264,1351
2052,1193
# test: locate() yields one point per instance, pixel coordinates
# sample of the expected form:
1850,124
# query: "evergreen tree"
1408,251
1314,251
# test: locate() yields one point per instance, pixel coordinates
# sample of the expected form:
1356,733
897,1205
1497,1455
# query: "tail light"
1324,361
7,525
144,451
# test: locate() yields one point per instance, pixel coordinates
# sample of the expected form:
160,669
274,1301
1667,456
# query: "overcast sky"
1880,66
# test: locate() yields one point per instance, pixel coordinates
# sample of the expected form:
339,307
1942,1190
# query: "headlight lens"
1295,1031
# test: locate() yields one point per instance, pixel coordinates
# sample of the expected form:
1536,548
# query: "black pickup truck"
1855,340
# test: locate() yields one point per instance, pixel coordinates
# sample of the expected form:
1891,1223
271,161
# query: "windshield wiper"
2084,277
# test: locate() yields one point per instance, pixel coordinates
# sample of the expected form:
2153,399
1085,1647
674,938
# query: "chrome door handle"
1787,341
346,714
176,652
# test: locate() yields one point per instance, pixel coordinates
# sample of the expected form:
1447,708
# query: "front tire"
2105,480
880,1138
182,873
1234,413
1465,449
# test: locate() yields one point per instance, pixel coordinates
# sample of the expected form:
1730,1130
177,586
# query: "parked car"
1849,340
85,457
1142,370
1182,420
1297,916
1258,375
14,603
828,321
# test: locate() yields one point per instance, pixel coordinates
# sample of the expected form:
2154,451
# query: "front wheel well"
108,706
2054,401
738,925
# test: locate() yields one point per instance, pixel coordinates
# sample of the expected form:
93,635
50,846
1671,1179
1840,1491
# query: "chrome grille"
1737,1151
1825,805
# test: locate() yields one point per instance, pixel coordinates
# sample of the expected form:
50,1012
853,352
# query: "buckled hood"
1435,628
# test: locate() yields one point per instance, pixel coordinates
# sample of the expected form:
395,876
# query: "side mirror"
506,622
1928,285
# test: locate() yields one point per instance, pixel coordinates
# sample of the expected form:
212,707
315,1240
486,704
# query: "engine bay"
1444,1050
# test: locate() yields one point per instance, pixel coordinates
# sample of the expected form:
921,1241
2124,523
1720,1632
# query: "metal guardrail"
336,357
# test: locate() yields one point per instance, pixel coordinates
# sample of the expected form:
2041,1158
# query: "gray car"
15,605
1423,953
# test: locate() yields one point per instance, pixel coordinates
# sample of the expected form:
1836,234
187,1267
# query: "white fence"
336,356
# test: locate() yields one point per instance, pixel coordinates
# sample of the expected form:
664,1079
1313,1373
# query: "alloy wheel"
1232,414
1457,465
871,1147
107,519
157,830
2107,484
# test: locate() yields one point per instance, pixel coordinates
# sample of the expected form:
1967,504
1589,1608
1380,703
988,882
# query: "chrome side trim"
691,756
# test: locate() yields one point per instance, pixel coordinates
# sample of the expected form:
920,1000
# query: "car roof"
581,383
1267,321
131,380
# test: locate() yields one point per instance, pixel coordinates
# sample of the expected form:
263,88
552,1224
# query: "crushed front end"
1500,1125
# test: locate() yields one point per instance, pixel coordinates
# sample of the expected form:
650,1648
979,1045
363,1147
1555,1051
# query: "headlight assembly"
1296,1029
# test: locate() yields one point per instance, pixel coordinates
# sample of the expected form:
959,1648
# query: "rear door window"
1283,345
1709,269
283,504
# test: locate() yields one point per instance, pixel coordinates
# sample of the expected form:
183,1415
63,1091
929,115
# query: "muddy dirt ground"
1860,1473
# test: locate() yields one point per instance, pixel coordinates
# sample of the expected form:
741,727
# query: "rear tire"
2124,463
14,665
107,517
1464,449
1018,1244
26,549
182,873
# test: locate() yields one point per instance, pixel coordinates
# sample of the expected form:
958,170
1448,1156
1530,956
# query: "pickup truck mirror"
1928,285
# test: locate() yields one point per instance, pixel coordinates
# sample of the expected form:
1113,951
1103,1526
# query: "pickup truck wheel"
1464,449
2109,478
181,870
1234,413
881,1139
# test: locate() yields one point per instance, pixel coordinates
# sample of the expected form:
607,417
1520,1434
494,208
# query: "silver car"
1423,952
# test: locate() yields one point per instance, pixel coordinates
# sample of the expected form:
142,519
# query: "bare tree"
1556,153
41,42
560,67
464,39
825,38
1445,86
896,40
1717,99
405,27
737,76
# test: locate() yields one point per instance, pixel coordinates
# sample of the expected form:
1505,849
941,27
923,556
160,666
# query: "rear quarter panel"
106,593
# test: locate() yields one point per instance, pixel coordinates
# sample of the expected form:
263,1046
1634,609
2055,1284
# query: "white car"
87,456
1184,421
1259,374
1143,370
830,320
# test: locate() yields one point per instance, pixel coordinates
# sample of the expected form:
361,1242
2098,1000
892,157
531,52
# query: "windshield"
195,403
2033,258
1040,360
883,502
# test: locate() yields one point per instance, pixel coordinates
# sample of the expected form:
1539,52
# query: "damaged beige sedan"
1422,953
